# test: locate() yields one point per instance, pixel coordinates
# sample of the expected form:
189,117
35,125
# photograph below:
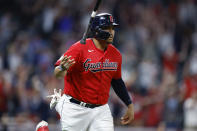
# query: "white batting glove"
42,126
55,98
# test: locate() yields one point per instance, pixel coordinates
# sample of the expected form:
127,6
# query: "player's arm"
119,85
64,64
120,89
68,61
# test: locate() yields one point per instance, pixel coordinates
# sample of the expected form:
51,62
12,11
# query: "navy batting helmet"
99,23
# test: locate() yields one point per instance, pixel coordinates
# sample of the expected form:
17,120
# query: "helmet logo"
111,19
102,18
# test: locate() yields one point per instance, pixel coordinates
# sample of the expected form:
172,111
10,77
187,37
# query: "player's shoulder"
115,50
79,44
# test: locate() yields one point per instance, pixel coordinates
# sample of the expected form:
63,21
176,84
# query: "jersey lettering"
100,66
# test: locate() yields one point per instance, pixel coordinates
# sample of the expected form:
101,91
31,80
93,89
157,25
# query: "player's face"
112,33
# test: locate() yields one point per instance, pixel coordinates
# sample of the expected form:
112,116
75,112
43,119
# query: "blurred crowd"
157,38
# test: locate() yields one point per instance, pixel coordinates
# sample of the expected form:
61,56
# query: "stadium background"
158,40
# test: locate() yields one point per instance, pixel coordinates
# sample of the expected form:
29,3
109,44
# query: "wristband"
61,67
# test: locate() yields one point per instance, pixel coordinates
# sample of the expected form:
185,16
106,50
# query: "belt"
73,100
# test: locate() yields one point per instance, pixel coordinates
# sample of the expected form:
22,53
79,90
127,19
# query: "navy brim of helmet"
114,25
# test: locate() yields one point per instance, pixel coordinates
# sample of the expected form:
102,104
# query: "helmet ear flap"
103,35
99,33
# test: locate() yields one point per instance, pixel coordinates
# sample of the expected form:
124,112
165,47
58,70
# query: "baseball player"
89,70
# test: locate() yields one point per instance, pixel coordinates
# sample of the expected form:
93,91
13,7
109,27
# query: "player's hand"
66,62
129,115
55,98
56,94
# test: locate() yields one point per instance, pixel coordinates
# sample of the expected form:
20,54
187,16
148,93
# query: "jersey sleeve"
74,52
118,72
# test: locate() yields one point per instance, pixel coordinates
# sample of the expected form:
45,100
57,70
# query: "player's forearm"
59,72
120,89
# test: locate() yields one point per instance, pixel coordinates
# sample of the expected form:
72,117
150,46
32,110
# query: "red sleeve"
118,72
58,61
74,52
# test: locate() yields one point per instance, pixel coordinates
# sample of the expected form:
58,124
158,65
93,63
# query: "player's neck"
100,44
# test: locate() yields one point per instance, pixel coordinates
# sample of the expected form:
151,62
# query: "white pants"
78,118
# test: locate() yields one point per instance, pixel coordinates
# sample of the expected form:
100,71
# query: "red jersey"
89,79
